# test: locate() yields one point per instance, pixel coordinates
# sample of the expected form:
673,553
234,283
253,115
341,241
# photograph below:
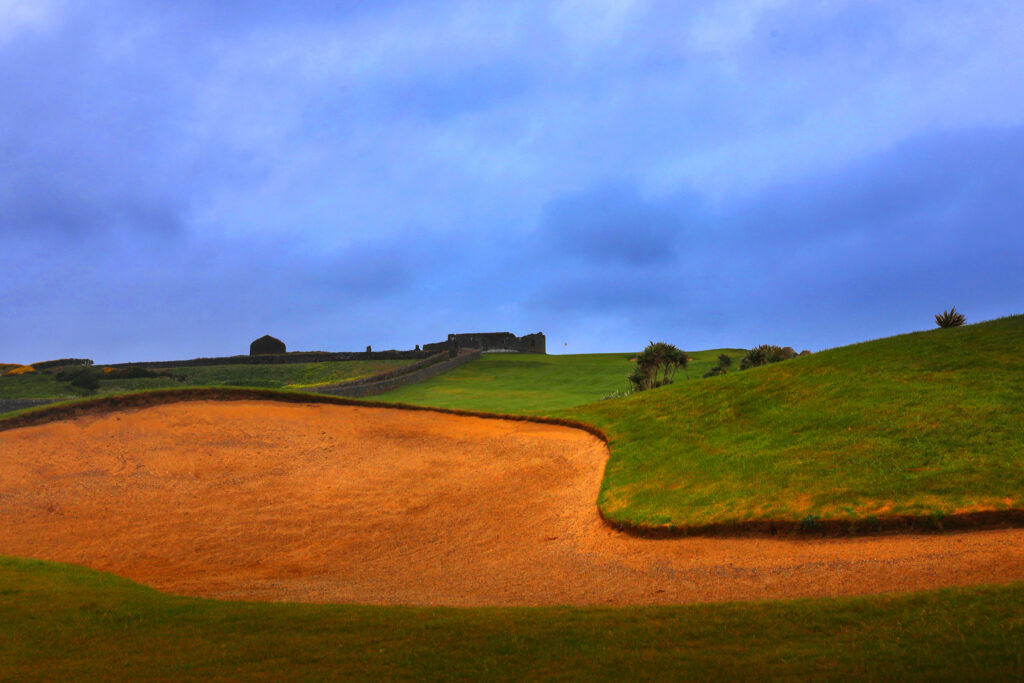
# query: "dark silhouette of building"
491,342
266,345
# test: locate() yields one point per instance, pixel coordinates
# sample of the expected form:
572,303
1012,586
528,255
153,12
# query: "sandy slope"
274,501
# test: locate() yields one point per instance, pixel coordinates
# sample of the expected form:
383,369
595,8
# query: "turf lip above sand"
868,526
983,519
109,403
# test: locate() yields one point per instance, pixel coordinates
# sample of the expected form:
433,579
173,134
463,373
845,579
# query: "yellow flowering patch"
21,370
107,371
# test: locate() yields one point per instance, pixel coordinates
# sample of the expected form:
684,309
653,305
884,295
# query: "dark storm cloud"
612,224
931,221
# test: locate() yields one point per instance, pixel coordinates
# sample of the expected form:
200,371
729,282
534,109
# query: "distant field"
925,424
62,622
43,384
530,384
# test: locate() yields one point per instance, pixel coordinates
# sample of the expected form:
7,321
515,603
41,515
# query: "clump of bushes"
724,361
62,362
84,377
657,365
950,318
765,354
135,372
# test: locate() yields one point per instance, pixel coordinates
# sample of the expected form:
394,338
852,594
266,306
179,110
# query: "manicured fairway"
529,384
60,622
927,424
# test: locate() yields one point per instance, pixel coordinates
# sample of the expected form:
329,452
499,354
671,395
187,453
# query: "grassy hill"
531,384
44,383
62,622
929,423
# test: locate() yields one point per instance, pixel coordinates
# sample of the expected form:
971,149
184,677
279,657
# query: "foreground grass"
43,384
925,424
62,622
528,384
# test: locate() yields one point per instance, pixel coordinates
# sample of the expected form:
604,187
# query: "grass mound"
923,426
531,384
60,621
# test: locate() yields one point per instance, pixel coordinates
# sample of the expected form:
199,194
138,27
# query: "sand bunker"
321,503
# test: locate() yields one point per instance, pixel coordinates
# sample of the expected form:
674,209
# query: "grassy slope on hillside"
529,384
63,622
34,385
930,423
278,375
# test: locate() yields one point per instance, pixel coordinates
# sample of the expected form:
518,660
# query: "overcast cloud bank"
177,181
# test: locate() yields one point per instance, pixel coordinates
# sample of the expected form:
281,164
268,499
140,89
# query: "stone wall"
293,357
492,342
418,372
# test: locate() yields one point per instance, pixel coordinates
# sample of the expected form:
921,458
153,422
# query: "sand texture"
272,501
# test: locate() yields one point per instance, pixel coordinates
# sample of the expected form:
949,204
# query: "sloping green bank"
928,425
531,384
61,622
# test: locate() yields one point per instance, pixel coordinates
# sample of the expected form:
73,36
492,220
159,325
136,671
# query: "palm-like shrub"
950,318
764,354
657,366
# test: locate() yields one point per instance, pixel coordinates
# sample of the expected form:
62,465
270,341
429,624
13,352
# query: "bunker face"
272,501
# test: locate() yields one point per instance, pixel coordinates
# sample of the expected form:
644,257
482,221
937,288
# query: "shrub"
86,380
724,361
657,366
132,372
764,354
83,377
717,370
950,318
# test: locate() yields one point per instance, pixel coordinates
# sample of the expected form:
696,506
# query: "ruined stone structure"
266,345
491,342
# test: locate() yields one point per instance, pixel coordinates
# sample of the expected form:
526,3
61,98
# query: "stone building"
266,345
492,342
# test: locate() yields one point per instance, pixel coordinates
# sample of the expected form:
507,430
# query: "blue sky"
178,179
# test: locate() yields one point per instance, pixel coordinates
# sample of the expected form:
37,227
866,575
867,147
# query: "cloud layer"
178,181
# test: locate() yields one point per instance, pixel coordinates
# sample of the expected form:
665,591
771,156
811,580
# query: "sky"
178,179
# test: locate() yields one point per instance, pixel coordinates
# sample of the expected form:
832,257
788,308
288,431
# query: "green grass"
927,423
62,622
924,424
34,385
43,384
529,384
